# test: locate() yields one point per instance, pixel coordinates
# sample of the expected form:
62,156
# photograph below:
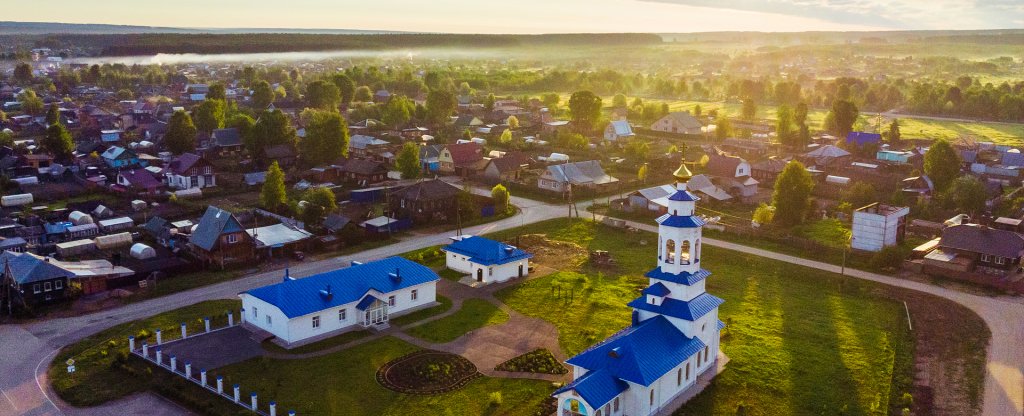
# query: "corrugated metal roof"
214,223
302,297
485,251
682,278
680,221
596,387
28,268
691,310
641,353
657,289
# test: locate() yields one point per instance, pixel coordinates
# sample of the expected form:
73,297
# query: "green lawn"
97,379
319,345
345,383
444,305
800,341
829,232
185,281
431,257
474,313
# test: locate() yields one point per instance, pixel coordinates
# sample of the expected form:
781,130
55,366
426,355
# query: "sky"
535,16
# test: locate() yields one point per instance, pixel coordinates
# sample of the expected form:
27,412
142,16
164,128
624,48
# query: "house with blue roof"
488,261
860,138
652,366
299,311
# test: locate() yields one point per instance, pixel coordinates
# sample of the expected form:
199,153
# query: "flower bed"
539,361
427,372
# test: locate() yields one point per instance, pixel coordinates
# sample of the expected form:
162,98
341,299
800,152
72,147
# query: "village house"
364,146
118,157
651,366
299,311
618,130
460,158
507,168
140,181
486,260
767,170
587,174
826,156
283,154
973,247
31,278
654,199
190,170
226,142
219,239
732,173
877,226
363,171
679,122
426,201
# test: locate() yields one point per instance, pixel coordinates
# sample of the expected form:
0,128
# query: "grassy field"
474,313
345,383
801,341
97,379
444,305
319,345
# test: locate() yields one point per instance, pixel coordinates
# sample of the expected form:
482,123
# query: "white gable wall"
495,273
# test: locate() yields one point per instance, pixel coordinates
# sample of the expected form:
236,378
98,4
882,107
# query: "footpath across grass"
344,383
474,313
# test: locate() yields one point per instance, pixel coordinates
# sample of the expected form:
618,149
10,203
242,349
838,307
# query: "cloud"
894,14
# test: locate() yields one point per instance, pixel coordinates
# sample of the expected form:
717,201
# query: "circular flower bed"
427,372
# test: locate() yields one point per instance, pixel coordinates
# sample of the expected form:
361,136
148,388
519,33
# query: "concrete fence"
170,364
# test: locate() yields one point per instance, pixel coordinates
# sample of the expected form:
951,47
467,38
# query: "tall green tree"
323,95
942,164
346,88
968,194
58,142
501,196
271,129
272,195
792,196
30,102
363,94
181,133
408,161
52,115
244,124
262,95
784,126
398,111
513,122
860,194
723,127
506,137
23,72
892,136
800,114
326,137
585,110
319,202
440,105
748,111
209,115
619,101
217,91
489,102
843,115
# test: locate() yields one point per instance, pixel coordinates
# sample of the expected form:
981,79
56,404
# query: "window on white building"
316,322
615,404
58,285
598,412
687,371
269,320
391,300
490,271
342,315
415,294
255,312
608,409
652,397
705,354
679,377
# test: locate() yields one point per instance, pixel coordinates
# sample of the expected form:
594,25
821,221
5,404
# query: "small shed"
102,211
16,200
106,242
74,248
114,225
189,193
82,231
139,205
142,252
80,218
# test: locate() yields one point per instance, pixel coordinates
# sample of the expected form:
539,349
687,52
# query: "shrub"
889,258
496,399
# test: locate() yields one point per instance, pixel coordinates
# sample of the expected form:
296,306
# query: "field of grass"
345,383
185,281
444,305
800,341
97,378
319,345
829,232
474,313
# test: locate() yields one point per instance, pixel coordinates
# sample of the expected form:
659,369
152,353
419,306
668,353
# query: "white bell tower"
679,230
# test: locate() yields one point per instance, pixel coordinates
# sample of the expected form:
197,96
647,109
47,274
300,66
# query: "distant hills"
43,28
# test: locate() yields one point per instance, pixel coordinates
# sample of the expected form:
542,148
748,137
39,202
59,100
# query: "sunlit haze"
536,16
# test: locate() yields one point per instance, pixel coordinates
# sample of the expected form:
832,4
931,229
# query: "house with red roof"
460,158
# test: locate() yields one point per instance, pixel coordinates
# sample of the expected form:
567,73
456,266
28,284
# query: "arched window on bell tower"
670,252
684,252
696,250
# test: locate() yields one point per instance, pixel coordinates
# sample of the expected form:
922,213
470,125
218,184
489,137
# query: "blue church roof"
486,251
690,310
657,289
684,196
641,354
303,296
683,278
680,221
596,387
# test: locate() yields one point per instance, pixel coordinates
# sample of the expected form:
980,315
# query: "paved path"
1004,375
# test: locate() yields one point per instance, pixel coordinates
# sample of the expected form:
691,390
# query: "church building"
674,336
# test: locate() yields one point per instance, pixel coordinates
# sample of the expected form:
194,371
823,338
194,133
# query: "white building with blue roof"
650,367
488,261
298,311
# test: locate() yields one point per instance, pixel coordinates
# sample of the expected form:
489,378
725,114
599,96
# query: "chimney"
509,250
614,353
327,294
396,276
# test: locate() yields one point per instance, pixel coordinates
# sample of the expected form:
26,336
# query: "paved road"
25,352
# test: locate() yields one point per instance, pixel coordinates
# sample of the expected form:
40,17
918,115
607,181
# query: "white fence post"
174,364
241,315
291,413
220,384
188,370
159,356
184,331
145,349
206,321
202,376
237,392
253,396
131,344
159,337
273,409
231,318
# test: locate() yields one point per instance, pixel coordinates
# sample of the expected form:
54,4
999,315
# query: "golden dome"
682,174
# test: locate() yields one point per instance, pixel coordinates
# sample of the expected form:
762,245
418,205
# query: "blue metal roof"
302,297
28,268
366,302
641,353
596,387
691,310
1013,159
486,251
682,278
657,289
860,138
721,325
683,196
680,221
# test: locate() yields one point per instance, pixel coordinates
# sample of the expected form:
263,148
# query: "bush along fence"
154,354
